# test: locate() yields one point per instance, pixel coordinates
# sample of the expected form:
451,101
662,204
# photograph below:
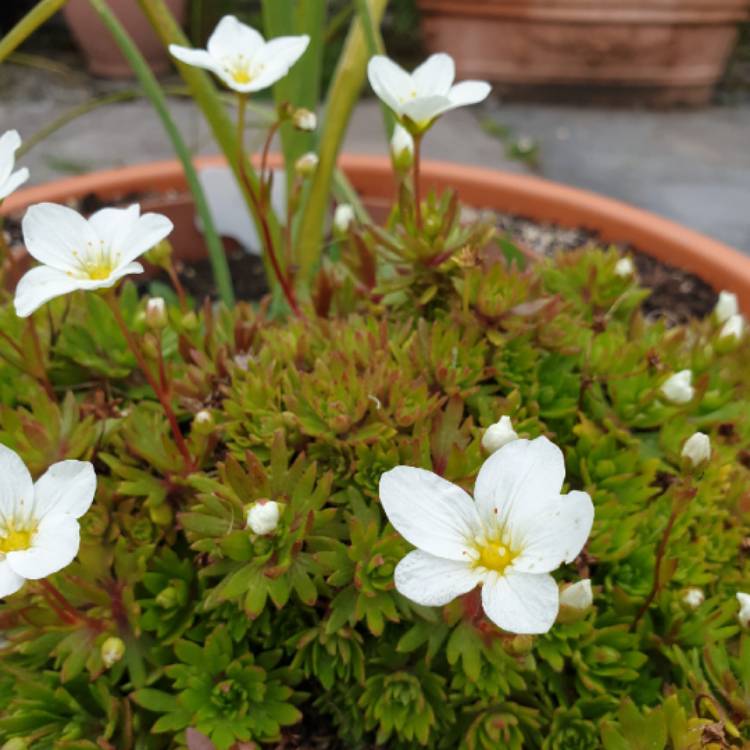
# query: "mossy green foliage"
238,638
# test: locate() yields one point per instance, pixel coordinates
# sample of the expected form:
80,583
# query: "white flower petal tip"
693,598
80,254
239,56
418,98
726,306
263,517
575,600
39,532
678,388
305,120
343,218
624,268
517,530
499,434
10,181
697,449
744,614
734,327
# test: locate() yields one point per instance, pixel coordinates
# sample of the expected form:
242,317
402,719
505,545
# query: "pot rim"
532,197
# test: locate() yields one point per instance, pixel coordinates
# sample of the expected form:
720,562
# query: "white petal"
521,602
199,58
66,487
13,182
39,285
10,581
146,232
9,144
550,532
425,109
435,75
16,487
231,38
54,546
469,92
277,57
52,233
113,225
519,472
429,512
390,82
433,581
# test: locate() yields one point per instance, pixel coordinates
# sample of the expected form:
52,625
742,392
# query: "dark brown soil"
248,277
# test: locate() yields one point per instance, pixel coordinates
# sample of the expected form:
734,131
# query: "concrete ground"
691,166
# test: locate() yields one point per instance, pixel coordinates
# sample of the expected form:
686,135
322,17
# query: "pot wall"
103,57
663,51
372,177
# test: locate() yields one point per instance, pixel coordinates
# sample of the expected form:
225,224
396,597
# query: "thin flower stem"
161,393
261,211
177,284
41,367
264,181
417,166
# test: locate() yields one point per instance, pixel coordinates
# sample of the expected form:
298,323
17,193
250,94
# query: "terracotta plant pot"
103,57
655,51
371,176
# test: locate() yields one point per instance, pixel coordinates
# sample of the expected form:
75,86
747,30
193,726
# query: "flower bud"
159,255
304,119
343,218
263,517
726,307
734,327
156,313
697,449
678,388
693,598
306,165
402,149
744,614
203,422
499,434
168,598
150,346
575,601
624,268
16,743
190,321
112,650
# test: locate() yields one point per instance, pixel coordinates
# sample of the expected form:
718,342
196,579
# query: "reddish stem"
160,392
177,284
63,608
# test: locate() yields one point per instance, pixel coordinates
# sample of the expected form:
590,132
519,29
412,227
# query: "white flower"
306,165
241,58
10,180
402,147
578,596
518,529
499,434
156,312
726,307
744,614
83,254
304,119
697,448
418,98
343,218
693,598
678,388
734,327
39,533
263,517
624,267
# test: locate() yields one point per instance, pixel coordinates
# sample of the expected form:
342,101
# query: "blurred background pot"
103,57
660,52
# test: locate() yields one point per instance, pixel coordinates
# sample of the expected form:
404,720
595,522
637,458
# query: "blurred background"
648,102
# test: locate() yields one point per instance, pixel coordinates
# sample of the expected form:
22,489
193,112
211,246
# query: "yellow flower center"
95,263
14,540
494,555
99,270
241,75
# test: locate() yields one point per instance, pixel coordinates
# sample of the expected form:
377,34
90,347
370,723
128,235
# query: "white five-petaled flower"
678,388
242,58
693,598
418,98
726,306
77,253
697,448
744,614
10,141
39,532
624,268
499,434
734,327
263,517
516,531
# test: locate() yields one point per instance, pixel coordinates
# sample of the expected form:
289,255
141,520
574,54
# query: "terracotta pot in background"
372,177
103,57
660,52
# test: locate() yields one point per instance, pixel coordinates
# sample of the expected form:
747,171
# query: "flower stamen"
494,555
15,540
